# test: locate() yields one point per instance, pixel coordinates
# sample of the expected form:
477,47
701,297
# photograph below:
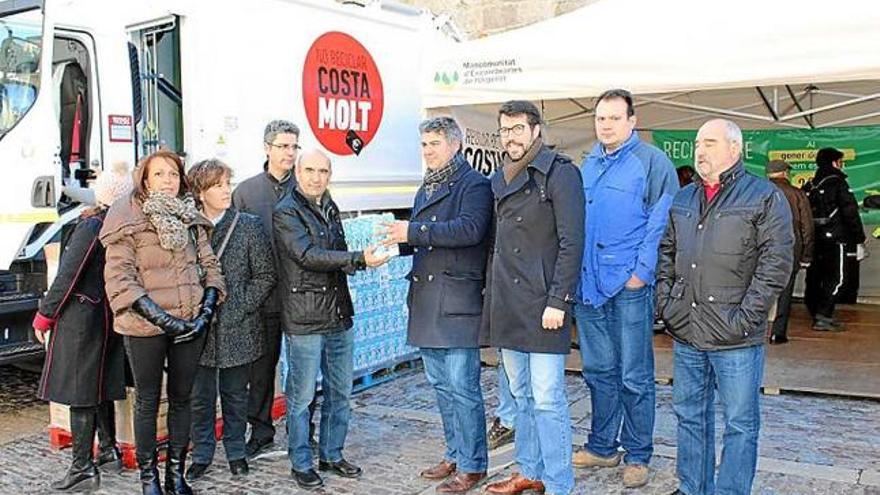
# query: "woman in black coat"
236,338
84,367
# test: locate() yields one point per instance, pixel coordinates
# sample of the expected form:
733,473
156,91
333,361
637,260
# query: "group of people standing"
196,284
610,245
205,282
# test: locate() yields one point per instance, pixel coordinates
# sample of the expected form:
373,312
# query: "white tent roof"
774,61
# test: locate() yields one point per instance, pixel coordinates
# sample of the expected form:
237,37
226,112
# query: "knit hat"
112,184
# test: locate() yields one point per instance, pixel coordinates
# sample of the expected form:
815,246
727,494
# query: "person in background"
502,431
837,225
802,226
685,175
235,340
85,361
258,195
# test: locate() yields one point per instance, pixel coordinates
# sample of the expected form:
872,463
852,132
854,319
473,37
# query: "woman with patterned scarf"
164,283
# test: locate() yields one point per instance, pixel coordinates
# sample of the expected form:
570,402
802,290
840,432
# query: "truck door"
157,45
77,108
29,141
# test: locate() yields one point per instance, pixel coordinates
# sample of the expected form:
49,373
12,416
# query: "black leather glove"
209,304
153,313
198,326
202,322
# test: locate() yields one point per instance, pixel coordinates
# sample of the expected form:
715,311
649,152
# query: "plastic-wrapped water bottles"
379,297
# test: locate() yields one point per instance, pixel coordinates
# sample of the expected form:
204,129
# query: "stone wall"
478,18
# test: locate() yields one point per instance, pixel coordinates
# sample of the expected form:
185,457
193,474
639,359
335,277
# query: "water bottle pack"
379,297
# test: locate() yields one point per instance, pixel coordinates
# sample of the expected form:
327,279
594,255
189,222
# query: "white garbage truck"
87,83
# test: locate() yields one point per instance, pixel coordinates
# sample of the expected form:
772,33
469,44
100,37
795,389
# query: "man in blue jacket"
628,187
448,238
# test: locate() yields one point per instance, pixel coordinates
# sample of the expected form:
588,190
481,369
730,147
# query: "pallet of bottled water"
379,297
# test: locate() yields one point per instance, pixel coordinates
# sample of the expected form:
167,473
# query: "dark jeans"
825,277
262,382
147,356
232,383
783,307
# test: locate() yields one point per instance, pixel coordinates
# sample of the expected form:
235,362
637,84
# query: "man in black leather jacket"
317,311
725,257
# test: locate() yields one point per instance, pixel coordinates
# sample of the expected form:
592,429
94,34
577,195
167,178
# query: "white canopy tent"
762,63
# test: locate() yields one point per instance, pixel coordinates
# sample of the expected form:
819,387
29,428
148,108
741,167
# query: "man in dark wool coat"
532,278
447,237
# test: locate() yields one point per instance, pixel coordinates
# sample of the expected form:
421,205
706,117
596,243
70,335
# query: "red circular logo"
342,92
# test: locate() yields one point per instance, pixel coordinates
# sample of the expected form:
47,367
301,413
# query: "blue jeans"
506,410
737,375
232,383
543,421
333,354
455,376
617,351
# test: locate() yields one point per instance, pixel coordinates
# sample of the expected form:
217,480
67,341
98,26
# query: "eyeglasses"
515,130
285,147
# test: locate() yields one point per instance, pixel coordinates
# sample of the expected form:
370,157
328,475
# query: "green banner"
798,147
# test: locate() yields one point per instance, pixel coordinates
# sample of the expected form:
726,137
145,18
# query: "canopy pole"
767,103
797,104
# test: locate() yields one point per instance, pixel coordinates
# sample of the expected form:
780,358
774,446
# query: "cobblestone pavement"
21,412
18,388
809,445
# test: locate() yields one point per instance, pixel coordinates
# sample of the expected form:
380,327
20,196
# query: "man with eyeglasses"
530,288
258,195
629,186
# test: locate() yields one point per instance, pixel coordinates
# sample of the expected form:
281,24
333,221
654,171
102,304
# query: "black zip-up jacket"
314,262
835,210
722,264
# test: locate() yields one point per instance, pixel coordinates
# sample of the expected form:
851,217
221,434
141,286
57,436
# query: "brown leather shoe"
438,472
461,483
515,485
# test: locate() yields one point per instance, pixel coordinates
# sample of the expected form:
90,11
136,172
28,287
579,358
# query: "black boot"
149,474
109,456
175,483
82,474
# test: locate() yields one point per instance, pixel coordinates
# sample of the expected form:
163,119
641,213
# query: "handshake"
179,330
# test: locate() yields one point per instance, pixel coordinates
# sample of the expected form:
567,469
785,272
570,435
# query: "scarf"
512,168
171,218
433,178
